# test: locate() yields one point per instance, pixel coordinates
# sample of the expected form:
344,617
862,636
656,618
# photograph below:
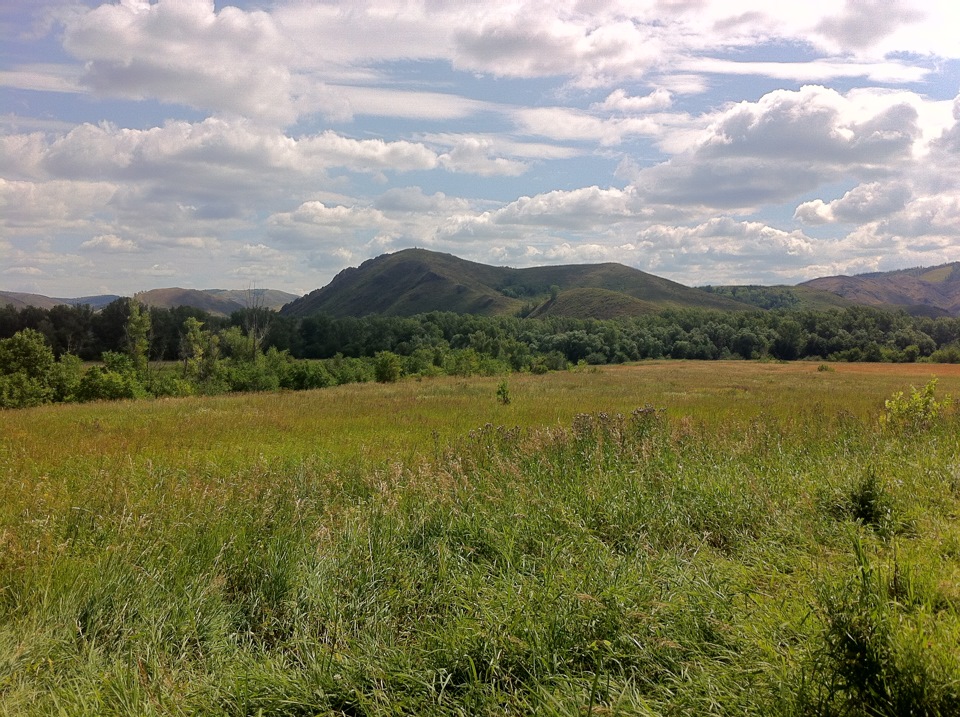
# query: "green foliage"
199,351
64,378
29,374
503,393
138,338
346,370
26,352
116,379
866,662
387,367
19,390
305,375
946,354
914,413
869,502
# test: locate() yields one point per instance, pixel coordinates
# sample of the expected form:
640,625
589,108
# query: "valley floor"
660,538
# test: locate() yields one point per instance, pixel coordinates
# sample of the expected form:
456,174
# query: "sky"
257,144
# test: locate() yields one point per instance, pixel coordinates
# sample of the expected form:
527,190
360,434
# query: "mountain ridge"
413,281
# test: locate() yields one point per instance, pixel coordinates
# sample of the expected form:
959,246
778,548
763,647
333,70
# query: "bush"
101,384
20,390
248,375
305,375
918,412
65,376
349,370
387,367
29,375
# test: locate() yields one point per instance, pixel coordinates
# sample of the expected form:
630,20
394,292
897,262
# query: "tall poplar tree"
138,338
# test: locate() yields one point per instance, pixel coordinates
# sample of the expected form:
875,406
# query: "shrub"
387,367
305,375
20,390
918,412
101,384
65,376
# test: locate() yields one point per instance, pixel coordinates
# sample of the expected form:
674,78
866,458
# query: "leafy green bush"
65,376
387,367
102,384
305,375
29,375
19,390
918,412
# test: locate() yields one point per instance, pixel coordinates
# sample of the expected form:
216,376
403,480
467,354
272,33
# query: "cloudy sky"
271,144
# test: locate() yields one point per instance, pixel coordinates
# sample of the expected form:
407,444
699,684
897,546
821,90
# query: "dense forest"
144,351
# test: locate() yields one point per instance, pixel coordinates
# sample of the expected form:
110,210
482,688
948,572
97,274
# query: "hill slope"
415,281
20,300
215,301
782,297
929,290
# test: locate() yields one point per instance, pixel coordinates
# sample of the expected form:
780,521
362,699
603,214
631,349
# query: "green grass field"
764,545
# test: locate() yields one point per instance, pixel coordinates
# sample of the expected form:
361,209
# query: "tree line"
141,351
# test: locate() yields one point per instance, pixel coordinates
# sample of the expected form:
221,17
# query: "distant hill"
94,302
415,281
21,301
222,302
215,301
927,291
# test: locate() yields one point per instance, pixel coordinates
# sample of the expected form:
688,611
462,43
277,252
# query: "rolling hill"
415,281
930,291
222,302
215,301
19,300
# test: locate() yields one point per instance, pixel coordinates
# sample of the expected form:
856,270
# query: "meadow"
666,537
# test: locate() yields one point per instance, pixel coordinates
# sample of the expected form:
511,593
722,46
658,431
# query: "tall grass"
365,552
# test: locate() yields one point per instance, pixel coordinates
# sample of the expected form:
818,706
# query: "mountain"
929,291
215,301
414,281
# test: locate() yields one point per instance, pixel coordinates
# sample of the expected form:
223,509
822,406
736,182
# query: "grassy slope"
595,304
762,548
20,300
